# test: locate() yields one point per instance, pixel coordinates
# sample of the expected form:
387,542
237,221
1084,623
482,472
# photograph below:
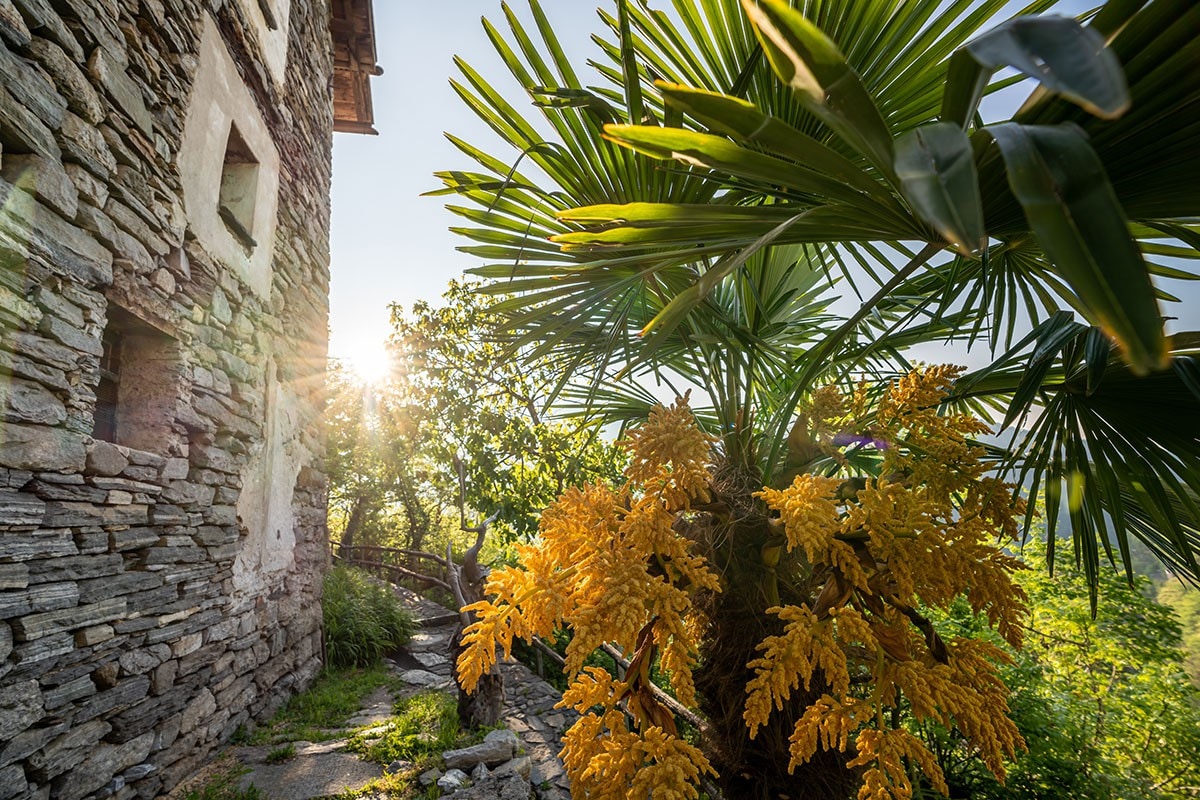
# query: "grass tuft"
363,619
223,785
315,715
281,754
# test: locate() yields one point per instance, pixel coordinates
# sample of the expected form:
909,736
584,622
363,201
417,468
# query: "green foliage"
423,725
363,619
314,715
1103,703
455,393
281,754
372,469
1184,600
468,397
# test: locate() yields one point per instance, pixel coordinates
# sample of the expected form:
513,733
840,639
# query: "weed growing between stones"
281,754
315,715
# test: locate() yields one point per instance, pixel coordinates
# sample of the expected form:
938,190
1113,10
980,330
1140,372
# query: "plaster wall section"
269,20
220,103
162,501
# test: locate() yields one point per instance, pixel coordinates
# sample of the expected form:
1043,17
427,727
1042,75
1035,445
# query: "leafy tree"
1103,702
745,160
452,398
476,404
1184,600
363,473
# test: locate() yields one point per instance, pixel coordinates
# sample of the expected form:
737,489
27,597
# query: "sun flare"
371,363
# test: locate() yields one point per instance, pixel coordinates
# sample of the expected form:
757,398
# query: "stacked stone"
129,648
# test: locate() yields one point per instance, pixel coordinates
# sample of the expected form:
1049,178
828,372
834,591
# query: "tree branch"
456,588
670,702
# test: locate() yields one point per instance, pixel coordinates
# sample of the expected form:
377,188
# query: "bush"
363,619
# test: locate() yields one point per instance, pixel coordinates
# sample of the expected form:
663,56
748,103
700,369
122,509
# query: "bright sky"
389,244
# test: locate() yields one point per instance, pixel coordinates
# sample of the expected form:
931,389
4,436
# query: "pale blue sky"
390,244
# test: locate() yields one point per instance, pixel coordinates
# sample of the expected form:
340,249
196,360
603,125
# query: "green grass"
223,786
315,715
280,754
424,725
400,786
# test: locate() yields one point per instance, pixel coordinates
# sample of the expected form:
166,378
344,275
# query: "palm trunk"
755,769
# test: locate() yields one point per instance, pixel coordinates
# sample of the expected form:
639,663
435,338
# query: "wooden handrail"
394,570
370,548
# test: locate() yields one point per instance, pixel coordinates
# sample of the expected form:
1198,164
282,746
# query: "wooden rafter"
352,28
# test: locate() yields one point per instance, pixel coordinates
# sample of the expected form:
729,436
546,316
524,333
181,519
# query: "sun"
371,363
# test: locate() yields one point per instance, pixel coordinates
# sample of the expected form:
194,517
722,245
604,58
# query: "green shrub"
363,619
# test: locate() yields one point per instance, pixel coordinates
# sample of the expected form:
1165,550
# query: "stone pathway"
528,702
317,770
320,770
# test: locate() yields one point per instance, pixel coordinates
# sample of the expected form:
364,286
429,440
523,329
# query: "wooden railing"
395,564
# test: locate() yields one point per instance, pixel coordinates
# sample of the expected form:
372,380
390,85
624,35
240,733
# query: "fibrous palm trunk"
735,542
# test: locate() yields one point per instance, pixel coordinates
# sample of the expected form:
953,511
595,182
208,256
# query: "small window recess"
139,385
107,392
239,189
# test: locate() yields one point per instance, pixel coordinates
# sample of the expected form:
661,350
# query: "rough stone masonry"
164,177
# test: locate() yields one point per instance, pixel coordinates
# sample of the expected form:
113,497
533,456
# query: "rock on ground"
496,787
496,748
317,770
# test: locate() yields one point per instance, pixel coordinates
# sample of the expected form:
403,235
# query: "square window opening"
239,189
139,387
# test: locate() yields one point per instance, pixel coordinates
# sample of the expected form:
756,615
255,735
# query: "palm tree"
743,164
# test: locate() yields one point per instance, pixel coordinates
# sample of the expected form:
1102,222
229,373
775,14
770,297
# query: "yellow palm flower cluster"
932,448
670,455
922,536
887,750
609,565
608,761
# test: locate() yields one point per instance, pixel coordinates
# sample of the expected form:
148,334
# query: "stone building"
164,219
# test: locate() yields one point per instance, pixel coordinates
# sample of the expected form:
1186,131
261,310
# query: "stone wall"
161,588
